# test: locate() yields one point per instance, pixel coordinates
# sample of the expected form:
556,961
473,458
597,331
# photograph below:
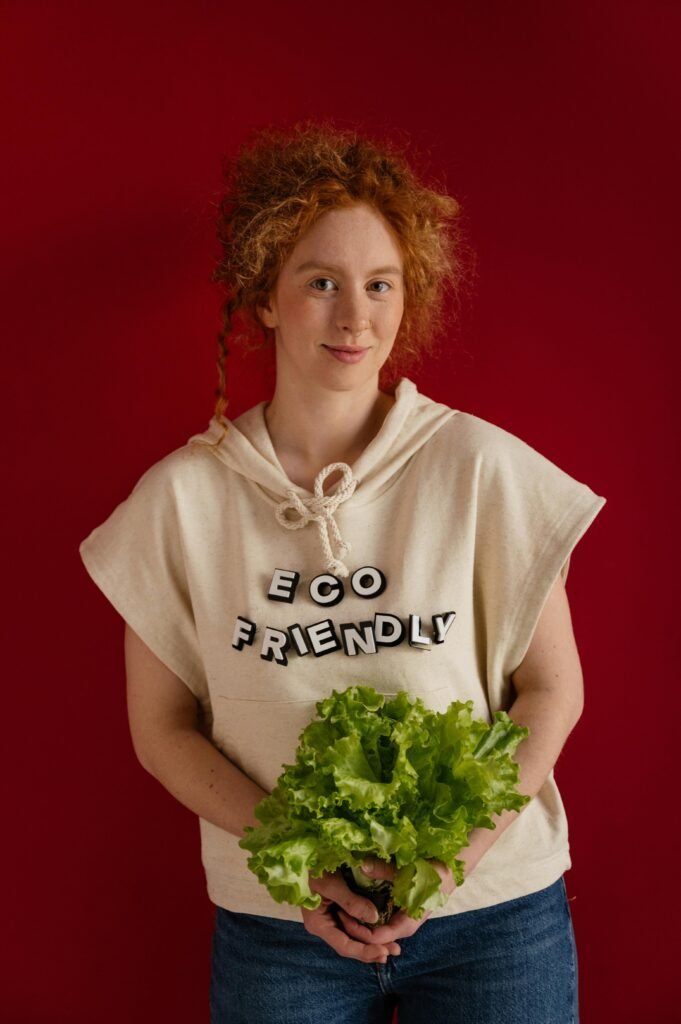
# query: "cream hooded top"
424,568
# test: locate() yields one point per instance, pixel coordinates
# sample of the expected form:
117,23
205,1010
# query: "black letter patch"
283,585
244,631
322,637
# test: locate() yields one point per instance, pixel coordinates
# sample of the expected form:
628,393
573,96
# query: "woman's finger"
333,888
400,926
374,867
324,927
363,934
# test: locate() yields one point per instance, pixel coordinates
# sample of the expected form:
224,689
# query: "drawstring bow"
320,508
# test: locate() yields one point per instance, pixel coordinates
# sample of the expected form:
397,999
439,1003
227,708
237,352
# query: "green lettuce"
388,779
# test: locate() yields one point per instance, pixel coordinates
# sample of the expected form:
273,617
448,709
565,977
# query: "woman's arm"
165,730
550,698
549,688
164,725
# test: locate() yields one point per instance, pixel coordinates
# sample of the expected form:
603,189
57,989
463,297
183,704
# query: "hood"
246,448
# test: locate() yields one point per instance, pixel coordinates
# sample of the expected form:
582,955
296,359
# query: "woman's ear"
267,315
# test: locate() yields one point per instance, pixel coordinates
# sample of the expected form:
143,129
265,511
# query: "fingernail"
366,868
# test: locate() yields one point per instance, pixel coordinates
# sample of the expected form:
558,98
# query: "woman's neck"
309,431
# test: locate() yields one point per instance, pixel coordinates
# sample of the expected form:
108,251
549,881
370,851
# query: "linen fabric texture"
457,514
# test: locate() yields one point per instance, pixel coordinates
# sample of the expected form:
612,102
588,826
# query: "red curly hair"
280,182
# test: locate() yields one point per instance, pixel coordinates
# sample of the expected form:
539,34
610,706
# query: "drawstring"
320,509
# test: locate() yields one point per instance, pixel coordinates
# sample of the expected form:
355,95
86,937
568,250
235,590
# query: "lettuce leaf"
388,779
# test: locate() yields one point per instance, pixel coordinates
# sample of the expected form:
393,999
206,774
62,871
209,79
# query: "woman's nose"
354,321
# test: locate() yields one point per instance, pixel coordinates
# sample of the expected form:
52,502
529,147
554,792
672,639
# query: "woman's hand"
400,926
324,922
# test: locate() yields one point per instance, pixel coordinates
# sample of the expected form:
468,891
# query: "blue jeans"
512,963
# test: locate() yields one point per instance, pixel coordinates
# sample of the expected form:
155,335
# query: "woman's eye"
319,284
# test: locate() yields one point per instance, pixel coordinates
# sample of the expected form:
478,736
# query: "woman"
343,532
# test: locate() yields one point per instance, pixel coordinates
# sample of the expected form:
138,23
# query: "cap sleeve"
532,514
136,559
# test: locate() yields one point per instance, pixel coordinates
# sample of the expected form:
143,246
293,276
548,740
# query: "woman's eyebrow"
313,265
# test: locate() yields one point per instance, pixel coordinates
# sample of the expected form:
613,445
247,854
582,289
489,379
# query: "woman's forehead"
341,236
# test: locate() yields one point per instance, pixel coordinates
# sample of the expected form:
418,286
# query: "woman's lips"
346,354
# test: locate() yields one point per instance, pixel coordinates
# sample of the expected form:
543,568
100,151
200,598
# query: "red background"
552,124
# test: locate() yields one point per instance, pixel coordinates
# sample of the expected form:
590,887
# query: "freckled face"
338,301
